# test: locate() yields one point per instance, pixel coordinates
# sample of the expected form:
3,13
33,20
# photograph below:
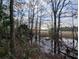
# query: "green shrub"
3,52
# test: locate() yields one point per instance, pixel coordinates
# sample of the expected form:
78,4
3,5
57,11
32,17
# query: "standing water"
45,44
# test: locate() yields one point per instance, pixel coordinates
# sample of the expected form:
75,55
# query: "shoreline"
65,34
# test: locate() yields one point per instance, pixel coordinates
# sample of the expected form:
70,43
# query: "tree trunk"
52,34
36,25
72,30
40,30
36,30
29,17
58,33
12,36
32,23
55,33
0,20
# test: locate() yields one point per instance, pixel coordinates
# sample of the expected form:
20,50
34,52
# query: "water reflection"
46,44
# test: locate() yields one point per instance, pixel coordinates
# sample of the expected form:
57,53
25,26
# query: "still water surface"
46,44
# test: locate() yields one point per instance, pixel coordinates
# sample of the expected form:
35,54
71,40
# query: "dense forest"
38,29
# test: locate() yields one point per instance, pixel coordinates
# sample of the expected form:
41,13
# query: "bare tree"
57,6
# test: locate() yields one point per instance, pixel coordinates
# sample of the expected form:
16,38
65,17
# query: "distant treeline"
68,28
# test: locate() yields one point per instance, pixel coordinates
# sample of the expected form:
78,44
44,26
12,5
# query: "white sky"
65,21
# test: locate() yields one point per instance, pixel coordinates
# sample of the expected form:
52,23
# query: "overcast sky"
65,21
